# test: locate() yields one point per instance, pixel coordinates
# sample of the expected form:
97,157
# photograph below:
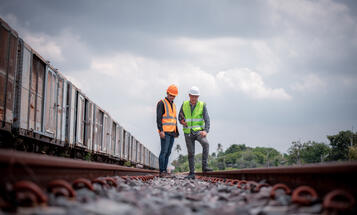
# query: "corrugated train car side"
8,62
38,103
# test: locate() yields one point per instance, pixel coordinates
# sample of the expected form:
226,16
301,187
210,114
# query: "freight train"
42,111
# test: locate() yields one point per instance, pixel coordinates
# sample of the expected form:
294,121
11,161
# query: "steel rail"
323,177
42,169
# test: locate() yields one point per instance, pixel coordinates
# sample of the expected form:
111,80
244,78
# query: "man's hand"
203,133
162,134
183,122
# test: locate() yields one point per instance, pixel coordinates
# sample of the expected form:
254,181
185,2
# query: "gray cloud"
288,66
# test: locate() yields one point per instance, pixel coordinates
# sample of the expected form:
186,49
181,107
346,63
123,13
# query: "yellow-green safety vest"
193,119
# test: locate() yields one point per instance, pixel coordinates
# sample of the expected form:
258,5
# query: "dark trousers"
166,147
190,143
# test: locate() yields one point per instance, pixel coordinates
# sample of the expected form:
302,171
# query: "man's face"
193,99
170,97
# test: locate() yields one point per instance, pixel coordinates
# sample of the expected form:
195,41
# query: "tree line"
341,147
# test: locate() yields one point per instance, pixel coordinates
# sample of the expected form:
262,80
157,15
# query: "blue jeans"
166,147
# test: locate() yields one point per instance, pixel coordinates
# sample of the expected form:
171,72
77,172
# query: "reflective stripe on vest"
194,119
169,117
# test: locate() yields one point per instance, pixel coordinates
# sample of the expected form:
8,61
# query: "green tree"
267,156
339,145
230,159
294,153
221,165
352,153
241,156
309,152
235,148
181,164
313,152
260,158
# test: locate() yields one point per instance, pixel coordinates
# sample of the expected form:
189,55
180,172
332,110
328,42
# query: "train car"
47,106
61,109
133,151
116,140
24,90
125,145
98,145
130,148
156,163
155,160
113,138
50,108
83,121
70,114
8,64
37,74
138,152
38,103
89,125
107,133
102,132
147,157
143,155
152,157
121,142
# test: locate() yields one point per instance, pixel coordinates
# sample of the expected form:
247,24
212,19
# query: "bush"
352,152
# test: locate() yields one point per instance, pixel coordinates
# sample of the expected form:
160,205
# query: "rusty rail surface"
322,177
42,169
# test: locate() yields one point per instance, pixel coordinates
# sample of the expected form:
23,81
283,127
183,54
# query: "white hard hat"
194,91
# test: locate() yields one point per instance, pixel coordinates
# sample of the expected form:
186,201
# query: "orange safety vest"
169,117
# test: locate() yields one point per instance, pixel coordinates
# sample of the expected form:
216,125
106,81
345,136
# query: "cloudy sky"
271,72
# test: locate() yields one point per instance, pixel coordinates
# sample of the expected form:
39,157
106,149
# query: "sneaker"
190,176
207,169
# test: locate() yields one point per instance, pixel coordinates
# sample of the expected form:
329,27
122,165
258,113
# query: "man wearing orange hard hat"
167,126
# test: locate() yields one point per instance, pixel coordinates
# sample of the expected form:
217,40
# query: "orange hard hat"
172,90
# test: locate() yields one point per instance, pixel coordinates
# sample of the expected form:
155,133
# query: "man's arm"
177,131
160,109
206,118
182,119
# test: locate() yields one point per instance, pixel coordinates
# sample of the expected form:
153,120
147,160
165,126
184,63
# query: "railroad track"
33,178
322,177
335,184
42,169
26,176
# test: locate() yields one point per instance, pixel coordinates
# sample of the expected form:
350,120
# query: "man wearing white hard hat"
195,120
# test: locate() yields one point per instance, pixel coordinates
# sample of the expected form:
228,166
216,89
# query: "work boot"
207,169
190,176
162,174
